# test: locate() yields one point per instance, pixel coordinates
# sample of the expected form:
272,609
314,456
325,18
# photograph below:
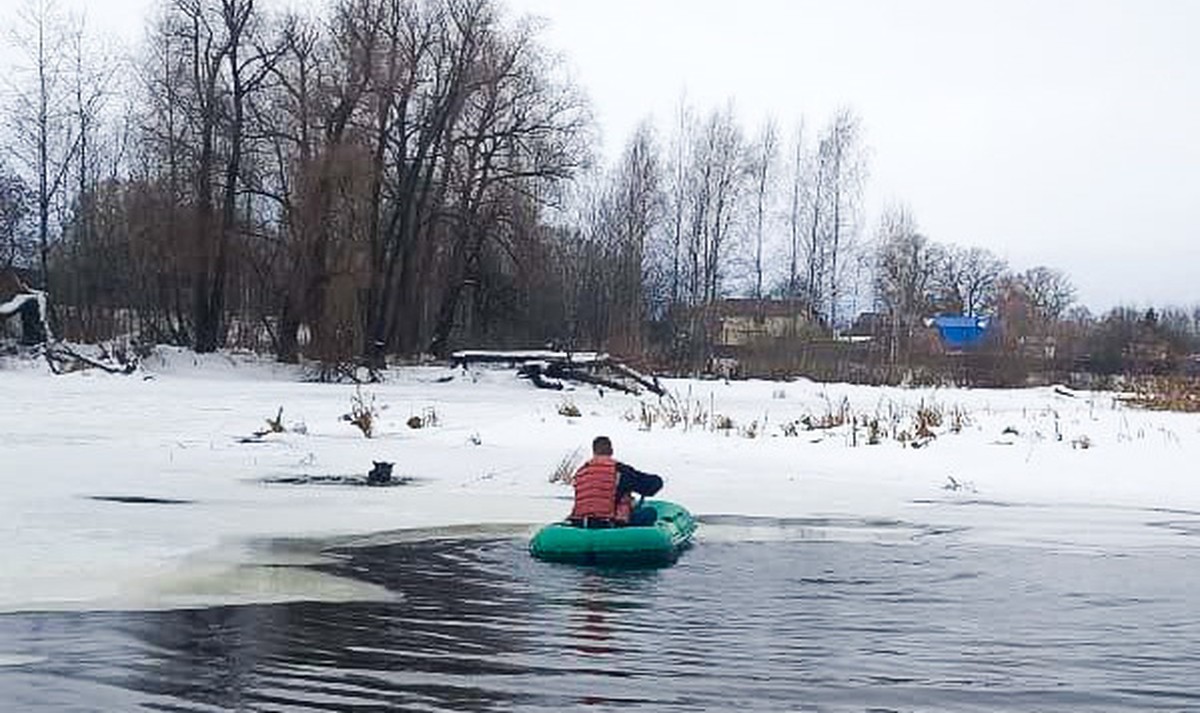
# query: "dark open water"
926,622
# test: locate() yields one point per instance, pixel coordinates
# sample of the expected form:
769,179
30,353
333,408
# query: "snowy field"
1043,467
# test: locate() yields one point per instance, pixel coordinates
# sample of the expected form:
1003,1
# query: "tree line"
348,181
402,177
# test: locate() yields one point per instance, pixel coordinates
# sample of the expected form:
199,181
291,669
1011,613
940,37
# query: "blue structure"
961,332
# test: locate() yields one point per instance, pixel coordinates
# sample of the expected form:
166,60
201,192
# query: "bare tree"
519,134
722,153
1049,293
764,161
160,192
588,252
39,114
418,93
297,182
843,167
797,213
638,208
90,77
968,279
84,263
718,182
905,267
14,207
215,64
320,176
816,252
681,147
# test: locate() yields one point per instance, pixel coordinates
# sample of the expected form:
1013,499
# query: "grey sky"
1051,132
1060,133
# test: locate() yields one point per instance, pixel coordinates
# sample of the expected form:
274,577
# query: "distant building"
742,321
868,326
1035,346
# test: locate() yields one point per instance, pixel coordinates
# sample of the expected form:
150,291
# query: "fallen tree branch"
570,373
533,372
540,367
649,383
62,359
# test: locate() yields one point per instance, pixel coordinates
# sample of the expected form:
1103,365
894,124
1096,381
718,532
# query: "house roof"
960,331
750,307
958,321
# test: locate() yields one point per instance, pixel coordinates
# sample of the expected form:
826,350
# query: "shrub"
647,418
959,419
427,419
929,415
750,431
874,432
275,425
362,412
564,472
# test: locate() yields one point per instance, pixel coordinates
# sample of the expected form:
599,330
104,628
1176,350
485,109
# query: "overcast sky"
1051,132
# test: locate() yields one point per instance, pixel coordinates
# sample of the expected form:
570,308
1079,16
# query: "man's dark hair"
601,446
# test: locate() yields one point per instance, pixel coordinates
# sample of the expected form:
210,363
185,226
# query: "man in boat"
604,489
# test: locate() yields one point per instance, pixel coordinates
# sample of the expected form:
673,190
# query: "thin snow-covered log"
19,304
14,305
476,356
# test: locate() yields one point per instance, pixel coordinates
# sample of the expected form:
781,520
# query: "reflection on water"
923,621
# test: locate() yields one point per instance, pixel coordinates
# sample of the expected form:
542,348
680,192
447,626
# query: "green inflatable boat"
659,543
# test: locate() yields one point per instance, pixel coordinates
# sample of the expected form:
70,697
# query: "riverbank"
119,489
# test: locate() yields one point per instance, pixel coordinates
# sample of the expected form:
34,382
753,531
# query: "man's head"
601,446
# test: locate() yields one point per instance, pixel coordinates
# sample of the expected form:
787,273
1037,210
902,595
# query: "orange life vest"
596,492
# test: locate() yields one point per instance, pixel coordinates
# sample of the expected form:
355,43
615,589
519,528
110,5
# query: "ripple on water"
9,660
742,528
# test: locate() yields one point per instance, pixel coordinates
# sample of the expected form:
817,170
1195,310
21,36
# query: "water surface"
817,615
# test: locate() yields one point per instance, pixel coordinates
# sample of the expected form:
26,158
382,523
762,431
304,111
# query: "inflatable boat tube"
659,543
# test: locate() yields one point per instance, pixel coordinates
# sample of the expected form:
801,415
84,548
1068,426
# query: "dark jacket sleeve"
635,481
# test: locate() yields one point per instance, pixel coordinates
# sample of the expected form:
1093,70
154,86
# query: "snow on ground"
1016,473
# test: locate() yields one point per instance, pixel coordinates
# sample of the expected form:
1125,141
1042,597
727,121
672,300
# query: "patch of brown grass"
1166,393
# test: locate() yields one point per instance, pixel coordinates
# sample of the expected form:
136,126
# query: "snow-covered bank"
1080,468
